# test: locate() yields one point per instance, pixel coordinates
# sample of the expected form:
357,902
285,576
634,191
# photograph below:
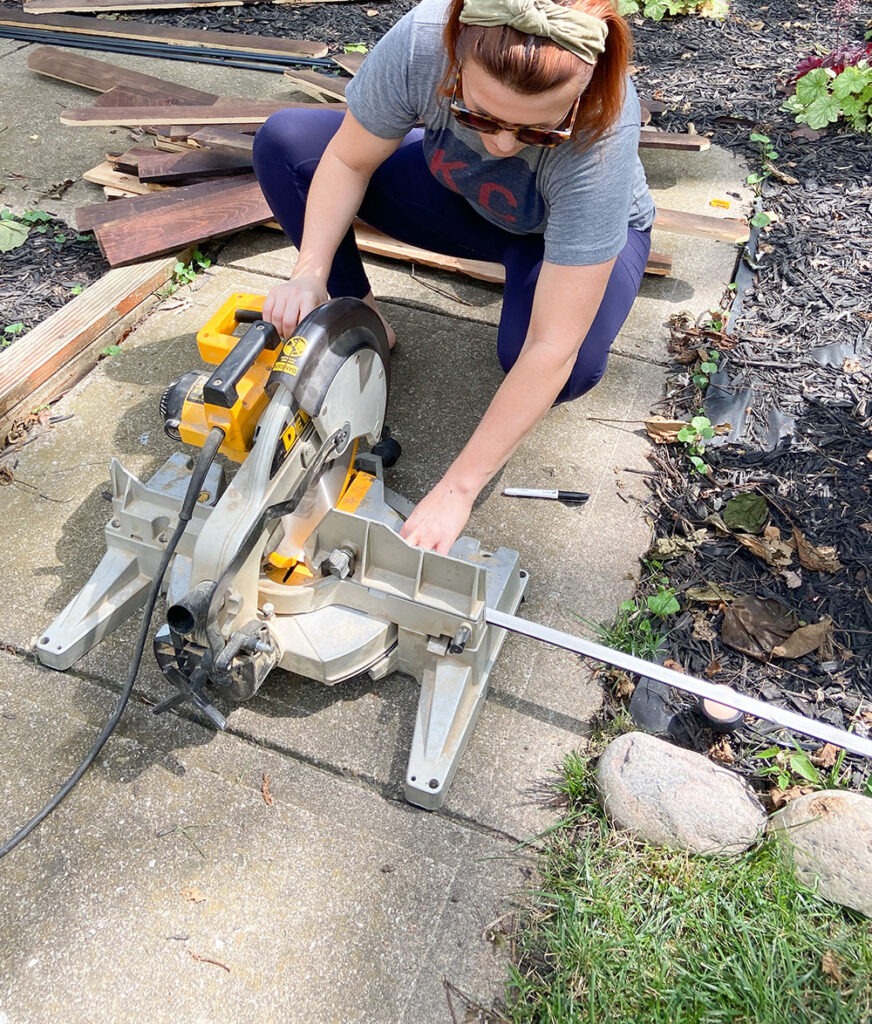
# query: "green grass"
621,933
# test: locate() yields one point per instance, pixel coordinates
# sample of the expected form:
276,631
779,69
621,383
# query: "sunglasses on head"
528,135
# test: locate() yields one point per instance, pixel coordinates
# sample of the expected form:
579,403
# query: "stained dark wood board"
102,76
201,38
652,139
199,165
317,84
43,7
239,205
100,214
127,96
215,135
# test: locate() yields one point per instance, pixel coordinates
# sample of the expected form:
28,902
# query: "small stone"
672,797
828,836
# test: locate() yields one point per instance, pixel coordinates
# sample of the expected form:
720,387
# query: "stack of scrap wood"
195,182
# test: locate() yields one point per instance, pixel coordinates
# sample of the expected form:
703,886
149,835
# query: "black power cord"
195,486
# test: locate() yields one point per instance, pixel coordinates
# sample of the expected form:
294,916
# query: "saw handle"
221,388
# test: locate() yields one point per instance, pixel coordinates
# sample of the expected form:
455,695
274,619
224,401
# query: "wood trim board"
226,111
48,352
378,244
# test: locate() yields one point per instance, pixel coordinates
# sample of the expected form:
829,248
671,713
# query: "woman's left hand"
439,518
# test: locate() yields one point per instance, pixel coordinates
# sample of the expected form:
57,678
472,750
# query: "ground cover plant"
625,933
836,84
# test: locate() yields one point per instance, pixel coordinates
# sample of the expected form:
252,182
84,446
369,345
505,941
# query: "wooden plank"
227,137
105,174
182,168
166,35
378,244
46,353
101,76
225,111
90,217
161,100
350,62
42,7
720,229
240,205
317,85
651,138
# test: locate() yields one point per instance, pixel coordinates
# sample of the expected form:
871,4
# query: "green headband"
581,34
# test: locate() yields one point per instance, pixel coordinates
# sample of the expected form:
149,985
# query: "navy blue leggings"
405,201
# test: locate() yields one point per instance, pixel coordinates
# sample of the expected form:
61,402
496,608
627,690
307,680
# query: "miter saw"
296,562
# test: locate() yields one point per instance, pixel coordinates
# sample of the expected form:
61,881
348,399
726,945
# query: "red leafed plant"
838,59
842,55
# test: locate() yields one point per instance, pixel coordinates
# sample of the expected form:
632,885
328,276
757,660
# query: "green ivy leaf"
761,219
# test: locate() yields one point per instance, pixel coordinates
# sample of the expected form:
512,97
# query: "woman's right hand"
287,304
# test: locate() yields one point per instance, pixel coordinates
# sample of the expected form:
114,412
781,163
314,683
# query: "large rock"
828,835
672,797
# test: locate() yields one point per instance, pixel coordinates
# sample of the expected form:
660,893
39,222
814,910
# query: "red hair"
533,64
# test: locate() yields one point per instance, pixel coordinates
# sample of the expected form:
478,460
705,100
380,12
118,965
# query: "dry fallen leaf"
624,686
264,791
193,894
826,757
772,549
805,639
791,578
780,797
831,967
851,366
662,430
818,559
702,628
721,751
756,625
712,669
711,593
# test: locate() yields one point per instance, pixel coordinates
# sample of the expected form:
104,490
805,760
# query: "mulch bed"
796,353
45,273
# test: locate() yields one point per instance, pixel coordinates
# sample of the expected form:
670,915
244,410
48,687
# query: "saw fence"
189,178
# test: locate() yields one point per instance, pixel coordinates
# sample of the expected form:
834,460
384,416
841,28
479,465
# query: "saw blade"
716,692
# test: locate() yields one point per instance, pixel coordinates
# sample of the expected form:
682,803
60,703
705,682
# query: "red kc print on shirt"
492,196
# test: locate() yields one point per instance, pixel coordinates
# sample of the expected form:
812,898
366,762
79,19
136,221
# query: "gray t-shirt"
582,201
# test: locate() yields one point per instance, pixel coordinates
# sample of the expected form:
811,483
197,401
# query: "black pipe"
170,51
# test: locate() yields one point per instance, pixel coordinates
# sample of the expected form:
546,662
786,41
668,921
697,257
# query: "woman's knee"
584,378
292,137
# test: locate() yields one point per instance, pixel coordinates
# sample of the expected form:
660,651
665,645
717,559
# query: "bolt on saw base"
295,562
